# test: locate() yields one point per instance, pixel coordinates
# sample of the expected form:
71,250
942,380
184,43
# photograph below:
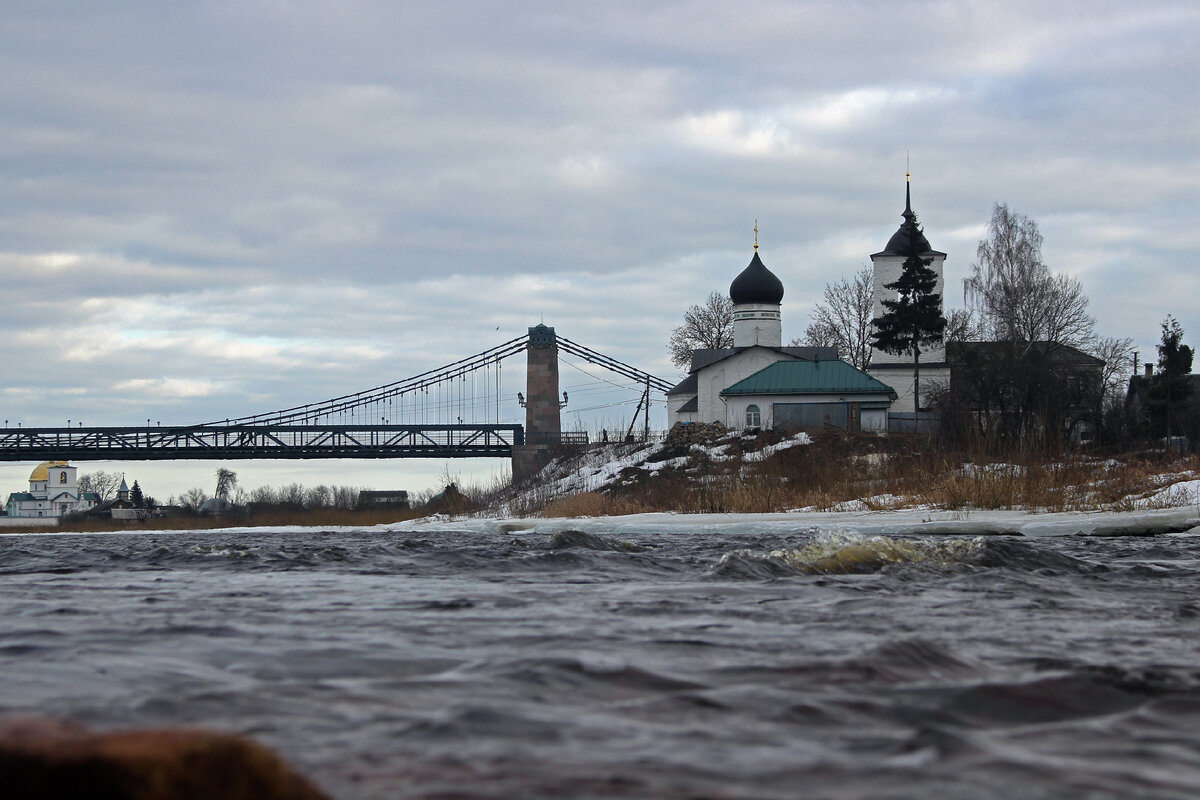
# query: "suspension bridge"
430,415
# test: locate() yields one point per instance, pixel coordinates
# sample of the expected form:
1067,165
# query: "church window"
753,416
62,477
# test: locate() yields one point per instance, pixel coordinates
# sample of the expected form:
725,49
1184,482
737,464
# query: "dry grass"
591,504
845,472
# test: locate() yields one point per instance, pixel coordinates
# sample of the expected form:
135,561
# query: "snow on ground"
1183,493
594,470
771,449
863,523
1178,498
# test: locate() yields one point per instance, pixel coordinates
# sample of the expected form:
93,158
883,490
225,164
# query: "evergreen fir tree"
135,496
1170,390
914,319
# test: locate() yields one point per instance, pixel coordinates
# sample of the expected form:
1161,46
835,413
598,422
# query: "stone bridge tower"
543,427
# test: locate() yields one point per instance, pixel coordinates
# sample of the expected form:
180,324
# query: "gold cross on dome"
756,235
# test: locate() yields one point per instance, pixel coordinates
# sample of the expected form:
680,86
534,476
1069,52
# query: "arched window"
753,416
62,477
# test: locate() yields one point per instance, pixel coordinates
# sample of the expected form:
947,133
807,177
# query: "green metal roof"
810,377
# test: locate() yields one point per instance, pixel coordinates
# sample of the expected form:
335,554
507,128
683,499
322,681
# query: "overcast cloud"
210,209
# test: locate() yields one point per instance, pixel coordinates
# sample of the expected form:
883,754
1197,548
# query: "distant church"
760,383
53,492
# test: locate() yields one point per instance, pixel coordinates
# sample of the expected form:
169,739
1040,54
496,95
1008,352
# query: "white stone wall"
757,324
717,377
887,270
735,407
675,415
901,380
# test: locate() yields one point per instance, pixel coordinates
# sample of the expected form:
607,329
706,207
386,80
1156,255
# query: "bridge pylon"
543,423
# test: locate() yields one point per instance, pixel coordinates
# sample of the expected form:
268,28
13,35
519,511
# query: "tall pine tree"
914,319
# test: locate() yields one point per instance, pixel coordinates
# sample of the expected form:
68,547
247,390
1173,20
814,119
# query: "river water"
486,664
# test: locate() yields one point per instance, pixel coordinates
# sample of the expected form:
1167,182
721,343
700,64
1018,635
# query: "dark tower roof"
756,284
908,239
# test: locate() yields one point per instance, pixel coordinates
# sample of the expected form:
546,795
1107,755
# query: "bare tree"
708,326
843,320
963,325
1117,355
345,496
193,498
817,334
1018,299
264,495
102,483
318,497
226,482
291,495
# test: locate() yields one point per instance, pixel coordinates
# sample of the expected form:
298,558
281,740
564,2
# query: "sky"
213,209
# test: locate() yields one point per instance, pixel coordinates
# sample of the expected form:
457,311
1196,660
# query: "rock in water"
46,759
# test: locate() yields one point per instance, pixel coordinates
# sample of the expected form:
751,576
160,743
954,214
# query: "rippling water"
499,665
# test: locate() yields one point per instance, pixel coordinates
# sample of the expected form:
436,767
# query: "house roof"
690,405
810,377
688,385
1063,353
706,357
16,497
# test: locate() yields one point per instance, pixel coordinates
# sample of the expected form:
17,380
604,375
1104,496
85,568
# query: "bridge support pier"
543,425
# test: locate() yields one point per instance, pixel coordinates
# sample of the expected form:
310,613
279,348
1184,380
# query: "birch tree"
1017,297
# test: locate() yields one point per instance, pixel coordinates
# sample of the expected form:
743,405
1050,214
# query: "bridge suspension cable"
451,403
619,367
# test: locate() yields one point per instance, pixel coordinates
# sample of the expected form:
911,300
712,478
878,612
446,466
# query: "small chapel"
759,383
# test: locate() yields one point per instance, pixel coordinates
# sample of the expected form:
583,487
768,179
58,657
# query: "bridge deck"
242,441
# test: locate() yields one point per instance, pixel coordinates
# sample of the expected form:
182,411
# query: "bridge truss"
260,441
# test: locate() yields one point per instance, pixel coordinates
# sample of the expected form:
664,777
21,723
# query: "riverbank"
707,471
275,518
717,471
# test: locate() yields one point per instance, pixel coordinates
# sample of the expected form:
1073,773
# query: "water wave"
590,541
837,553
841,553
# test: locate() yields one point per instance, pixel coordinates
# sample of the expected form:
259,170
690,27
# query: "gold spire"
756,235
907,165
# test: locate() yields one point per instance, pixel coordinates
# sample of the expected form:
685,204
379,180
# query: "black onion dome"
756,284
908,239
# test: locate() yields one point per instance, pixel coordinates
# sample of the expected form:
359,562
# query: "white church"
760,383
53,492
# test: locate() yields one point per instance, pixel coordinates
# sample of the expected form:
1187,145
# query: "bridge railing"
563,439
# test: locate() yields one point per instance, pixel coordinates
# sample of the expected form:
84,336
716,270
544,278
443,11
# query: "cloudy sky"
210,209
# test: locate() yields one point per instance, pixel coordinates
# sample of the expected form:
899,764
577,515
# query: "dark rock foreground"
46,759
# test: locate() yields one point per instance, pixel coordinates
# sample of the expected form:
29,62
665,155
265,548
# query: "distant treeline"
293,495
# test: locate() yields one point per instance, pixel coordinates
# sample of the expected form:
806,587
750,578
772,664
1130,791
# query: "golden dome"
41,471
